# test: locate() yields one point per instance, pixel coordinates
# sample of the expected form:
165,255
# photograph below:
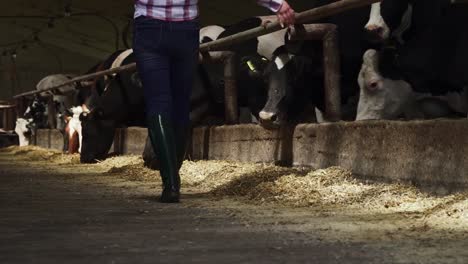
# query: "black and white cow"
295,74
121,104
35,117
429,57
251,87
23,130
261,58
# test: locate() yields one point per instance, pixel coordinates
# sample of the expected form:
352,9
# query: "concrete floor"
72,214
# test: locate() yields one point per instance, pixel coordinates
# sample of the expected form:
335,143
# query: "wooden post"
8,117
51,113
229,60
328,34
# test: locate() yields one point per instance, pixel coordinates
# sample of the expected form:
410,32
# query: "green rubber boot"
161,132
182,137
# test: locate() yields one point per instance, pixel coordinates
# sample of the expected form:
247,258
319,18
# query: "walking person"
165,44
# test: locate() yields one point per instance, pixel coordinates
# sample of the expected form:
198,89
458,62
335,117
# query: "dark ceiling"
50,36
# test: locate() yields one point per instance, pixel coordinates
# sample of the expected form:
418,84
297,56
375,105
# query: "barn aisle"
72,213
49,216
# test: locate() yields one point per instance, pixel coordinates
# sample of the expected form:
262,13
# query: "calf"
35,117
23,130
74,130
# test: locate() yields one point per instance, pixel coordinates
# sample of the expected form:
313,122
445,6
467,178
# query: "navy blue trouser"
166,56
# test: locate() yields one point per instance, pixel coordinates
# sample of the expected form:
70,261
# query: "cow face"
380,97
286,78
388,19
376,28
37,111
97,136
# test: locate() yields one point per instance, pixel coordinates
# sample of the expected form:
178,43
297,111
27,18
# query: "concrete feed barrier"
49,138
130,140
248,143
427,153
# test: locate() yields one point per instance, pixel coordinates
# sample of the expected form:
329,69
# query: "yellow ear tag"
251,66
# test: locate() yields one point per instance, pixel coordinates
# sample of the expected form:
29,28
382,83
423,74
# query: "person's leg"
153,65
183,67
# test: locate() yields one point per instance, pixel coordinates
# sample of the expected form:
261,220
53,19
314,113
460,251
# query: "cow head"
388,19
376,28
287,81
37,111
380,96
98,135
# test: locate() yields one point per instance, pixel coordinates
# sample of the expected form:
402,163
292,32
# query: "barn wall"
22,74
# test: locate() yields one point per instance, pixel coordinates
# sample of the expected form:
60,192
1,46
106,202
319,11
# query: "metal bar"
328,34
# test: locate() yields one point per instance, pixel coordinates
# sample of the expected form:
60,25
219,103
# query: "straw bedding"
268,184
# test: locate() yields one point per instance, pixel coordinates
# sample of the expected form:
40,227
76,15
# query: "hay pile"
34,153
131,167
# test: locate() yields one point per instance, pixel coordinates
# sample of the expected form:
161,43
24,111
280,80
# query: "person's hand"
286,15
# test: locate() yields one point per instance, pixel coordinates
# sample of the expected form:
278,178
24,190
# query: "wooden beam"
128,67
301,18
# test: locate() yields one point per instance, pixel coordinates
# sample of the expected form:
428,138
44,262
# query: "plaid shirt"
182,10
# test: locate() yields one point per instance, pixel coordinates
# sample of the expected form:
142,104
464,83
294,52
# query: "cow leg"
73,144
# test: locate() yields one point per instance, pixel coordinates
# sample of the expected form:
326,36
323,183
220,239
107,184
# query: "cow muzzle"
268,116
376,33
271,120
